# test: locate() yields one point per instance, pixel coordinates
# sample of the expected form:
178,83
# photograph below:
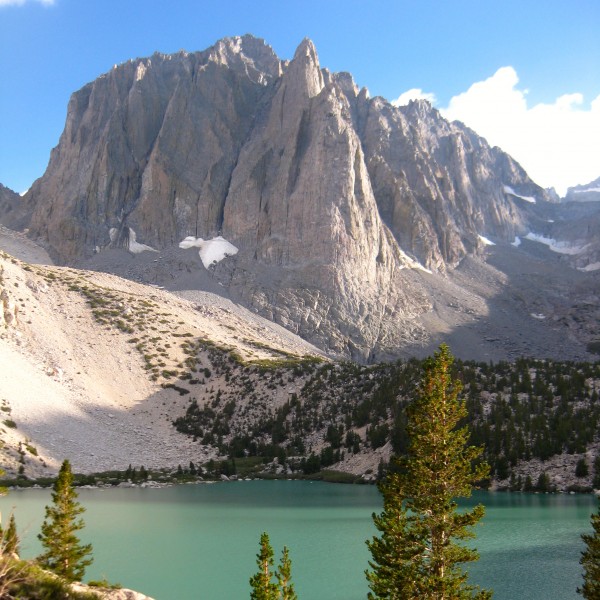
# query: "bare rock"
339,204
110,594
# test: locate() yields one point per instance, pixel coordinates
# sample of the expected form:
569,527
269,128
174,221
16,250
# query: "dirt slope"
84,357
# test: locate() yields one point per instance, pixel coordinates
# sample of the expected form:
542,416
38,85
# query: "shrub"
594,347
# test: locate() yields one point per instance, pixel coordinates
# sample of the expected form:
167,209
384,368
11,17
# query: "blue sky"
524,74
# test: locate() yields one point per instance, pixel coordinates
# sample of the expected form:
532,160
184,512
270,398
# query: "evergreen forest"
522,411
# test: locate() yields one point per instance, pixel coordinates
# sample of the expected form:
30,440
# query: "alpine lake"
199,542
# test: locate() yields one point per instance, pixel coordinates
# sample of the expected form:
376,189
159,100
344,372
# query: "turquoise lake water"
199,542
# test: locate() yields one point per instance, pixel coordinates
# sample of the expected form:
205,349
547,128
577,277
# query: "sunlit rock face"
337,203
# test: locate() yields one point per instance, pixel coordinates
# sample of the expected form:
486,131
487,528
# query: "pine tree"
10,538
416,556
596,480
262,586
581,468
284,577
12,571
64,555
543,482
590,559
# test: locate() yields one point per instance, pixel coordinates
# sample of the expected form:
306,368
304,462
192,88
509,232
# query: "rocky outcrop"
337,202
589,192
109,593
574,232
13,211
576,226
9,309
440,186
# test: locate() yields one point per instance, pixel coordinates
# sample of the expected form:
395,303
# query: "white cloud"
21,2
558,144
414,94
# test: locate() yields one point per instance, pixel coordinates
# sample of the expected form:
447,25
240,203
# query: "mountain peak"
336,204
305,69
306,48
245,51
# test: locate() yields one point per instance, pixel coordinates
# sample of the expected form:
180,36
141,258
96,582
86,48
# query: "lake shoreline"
334,477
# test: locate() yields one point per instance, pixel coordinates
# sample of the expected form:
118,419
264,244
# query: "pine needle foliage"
590,559
284,577
260,583
417,555
64,554
11,538
11,568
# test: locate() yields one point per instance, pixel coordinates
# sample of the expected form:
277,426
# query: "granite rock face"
13,211
151,146
440,186
338,203
301,208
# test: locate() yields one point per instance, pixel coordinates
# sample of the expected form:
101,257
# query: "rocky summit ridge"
350,216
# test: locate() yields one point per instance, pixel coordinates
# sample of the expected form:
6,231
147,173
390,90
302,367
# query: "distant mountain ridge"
589,192
344,208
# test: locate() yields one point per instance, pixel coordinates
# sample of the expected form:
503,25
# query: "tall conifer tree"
11,538
590,559
284,577
260,583
64,555
11,570
417,555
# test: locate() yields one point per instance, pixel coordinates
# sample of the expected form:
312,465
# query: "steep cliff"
338,203
150,146
439,185
314,252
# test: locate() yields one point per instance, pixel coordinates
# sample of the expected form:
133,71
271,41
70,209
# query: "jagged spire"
304,69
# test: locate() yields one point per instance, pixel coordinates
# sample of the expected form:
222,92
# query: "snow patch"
538,316
211,251
134,245
414,264
585,191
486,241
535,237
517,242
559,247
509,190
23,193
591,267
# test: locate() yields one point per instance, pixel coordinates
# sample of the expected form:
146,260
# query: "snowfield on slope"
211,251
